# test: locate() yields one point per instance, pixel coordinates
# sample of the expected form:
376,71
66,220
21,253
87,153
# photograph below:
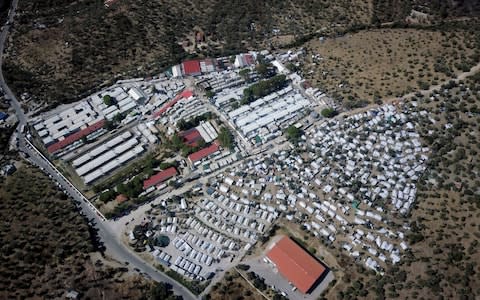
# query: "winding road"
110,239
110,233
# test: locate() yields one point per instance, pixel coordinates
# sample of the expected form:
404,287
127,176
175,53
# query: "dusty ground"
233,286
387,62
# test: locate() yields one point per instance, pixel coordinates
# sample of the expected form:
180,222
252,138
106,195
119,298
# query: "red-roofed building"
296,264
75,137
191,67
249,60
191,137
183,95
199,155
159,177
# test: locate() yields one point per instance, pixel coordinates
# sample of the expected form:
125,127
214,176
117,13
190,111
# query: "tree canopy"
294,134
328,112
225,138
263,88
108,100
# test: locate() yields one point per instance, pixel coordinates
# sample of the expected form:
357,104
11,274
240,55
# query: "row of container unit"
100,149
168,229
260,102
267,111
220,81
162,256
223,225
67,121
240,220
246,212
242,205
147,132
113,164
193,254
169,221
218,163
111,153
171,85
209,234
227,97
187,109
79,143
211,247
186,268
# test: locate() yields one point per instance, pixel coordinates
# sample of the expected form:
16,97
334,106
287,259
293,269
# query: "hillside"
48,248
435,10
60,49
444,231
384,63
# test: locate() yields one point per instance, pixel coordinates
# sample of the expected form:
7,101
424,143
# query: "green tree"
292,67
264,70
160,291
108,100
109,125
294,134
107,196
328,112
118,118
263,88
209,94
225,138
245,74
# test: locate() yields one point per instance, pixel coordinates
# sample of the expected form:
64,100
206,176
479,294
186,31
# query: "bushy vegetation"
161,291
137,38
177,144
263,88
5,134
225,138
46,245
194,122
233,284
294,134
194,286
328,112
257,281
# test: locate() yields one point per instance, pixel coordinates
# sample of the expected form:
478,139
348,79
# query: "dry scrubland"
61,49
233,287
444,259
47,246
385,63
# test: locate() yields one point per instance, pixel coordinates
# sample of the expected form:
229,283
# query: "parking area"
279,283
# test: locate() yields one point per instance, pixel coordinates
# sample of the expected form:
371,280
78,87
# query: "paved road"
113,245
109,234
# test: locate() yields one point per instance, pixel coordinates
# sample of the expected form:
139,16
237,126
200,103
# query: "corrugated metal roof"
294,263
159,177
191,67
75,137
196,156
